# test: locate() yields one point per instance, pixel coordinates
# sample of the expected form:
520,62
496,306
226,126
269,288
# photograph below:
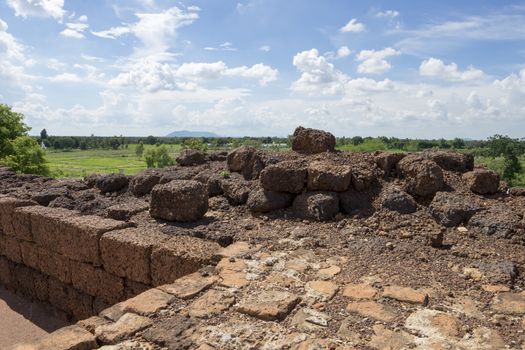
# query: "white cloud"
65,78
201,71
70,33
391,14
343,51
265,74
112,33
265,48
226,46
352,27
76,29
436,68
374,62
38,8
9,46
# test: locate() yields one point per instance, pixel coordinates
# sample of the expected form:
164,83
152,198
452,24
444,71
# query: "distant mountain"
186,133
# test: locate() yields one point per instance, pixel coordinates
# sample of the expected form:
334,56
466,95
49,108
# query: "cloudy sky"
261,67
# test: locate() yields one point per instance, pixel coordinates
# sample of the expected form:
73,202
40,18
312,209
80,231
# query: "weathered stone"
384,338
29,253
287,176
236,191
29,282
423,177
171,333
68,338
396,200
363,178
388,161
89,324
188,157
179,200
359,291
323,176
265,201
55,265
328,272
233,279
211,180
502,271
406,294
12,249
211,303
96,282
237,249
112,182
127,253
269,305
7,207
499,220
6,277
509,303
434,324
482,181
451,161
321,290
310,141
246,160
124,211
125,327
373,309
309,320
70,300
451,209
144,304
189,286
495,288
316,205
21,224
142,183
355,202
179,256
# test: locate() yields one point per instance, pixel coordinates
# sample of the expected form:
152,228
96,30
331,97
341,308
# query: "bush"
11,127
158,157
27,157
196,144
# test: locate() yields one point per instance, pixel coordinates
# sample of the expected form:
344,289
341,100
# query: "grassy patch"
496,164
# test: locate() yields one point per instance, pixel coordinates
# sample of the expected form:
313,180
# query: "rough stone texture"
388,162
406,294
7,207
112,182
124,211
54,264
70,300
127,253
247,161
269,305
180,256
359,291
262,201
316,205
143,183
373,309
172,333
66,338
323,176
502,271
355,202
236,192
423,177
189,286
12,249
144,304
211,303
29,282
498,220
212,180
451,161
397,200
29,253
363,178
482,181
310,141
96,282
179,200
309,320
509,303
452,209
189,157
287,176
126,326
21,224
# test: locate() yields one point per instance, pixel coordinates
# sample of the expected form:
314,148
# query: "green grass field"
78,163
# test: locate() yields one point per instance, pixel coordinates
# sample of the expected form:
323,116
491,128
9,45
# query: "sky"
419,69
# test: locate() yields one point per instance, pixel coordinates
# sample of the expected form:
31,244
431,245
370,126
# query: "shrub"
27,157
158,157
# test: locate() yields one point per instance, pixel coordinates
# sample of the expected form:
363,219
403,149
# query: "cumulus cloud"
38,8
10,48
436,68
65,78
156,31
343,51
353,26
263,73
374,62
390,14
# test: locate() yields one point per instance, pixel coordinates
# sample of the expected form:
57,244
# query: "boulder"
247,161
397,200
323,176
451,209
219,156
499,220
482,181
363,178
310,141
423,177
388,161
355,202
179,200
48,195
451,161
212,180
287,176
265,201
190,157
316,205
142,183
111,182
235,190
517,191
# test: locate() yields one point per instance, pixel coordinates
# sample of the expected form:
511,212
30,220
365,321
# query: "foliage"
224,174
158,157
139,150
11,127
43,134
510,149
195,143
27,157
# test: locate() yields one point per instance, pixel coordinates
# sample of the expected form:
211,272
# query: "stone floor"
23,321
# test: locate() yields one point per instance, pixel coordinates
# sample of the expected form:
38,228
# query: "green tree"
158,157
43,134
510,149
195,143
11,127
27,157
139,150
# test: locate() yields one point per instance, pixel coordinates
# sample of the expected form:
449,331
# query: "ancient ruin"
306,249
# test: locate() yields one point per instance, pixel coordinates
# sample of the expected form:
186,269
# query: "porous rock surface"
400,257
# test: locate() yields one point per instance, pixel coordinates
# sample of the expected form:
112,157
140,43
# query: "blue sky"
261,67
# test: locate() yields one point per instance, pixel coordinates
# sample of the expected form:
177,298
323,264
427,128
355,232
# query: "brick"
2,243
132,288
125,327
70,300
189,286
126,253
143,304
96,282
46,226
406,294
12,249
55,265
30,283
29,253
69,338
7,207
269,305
6,267
180,256
21,222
